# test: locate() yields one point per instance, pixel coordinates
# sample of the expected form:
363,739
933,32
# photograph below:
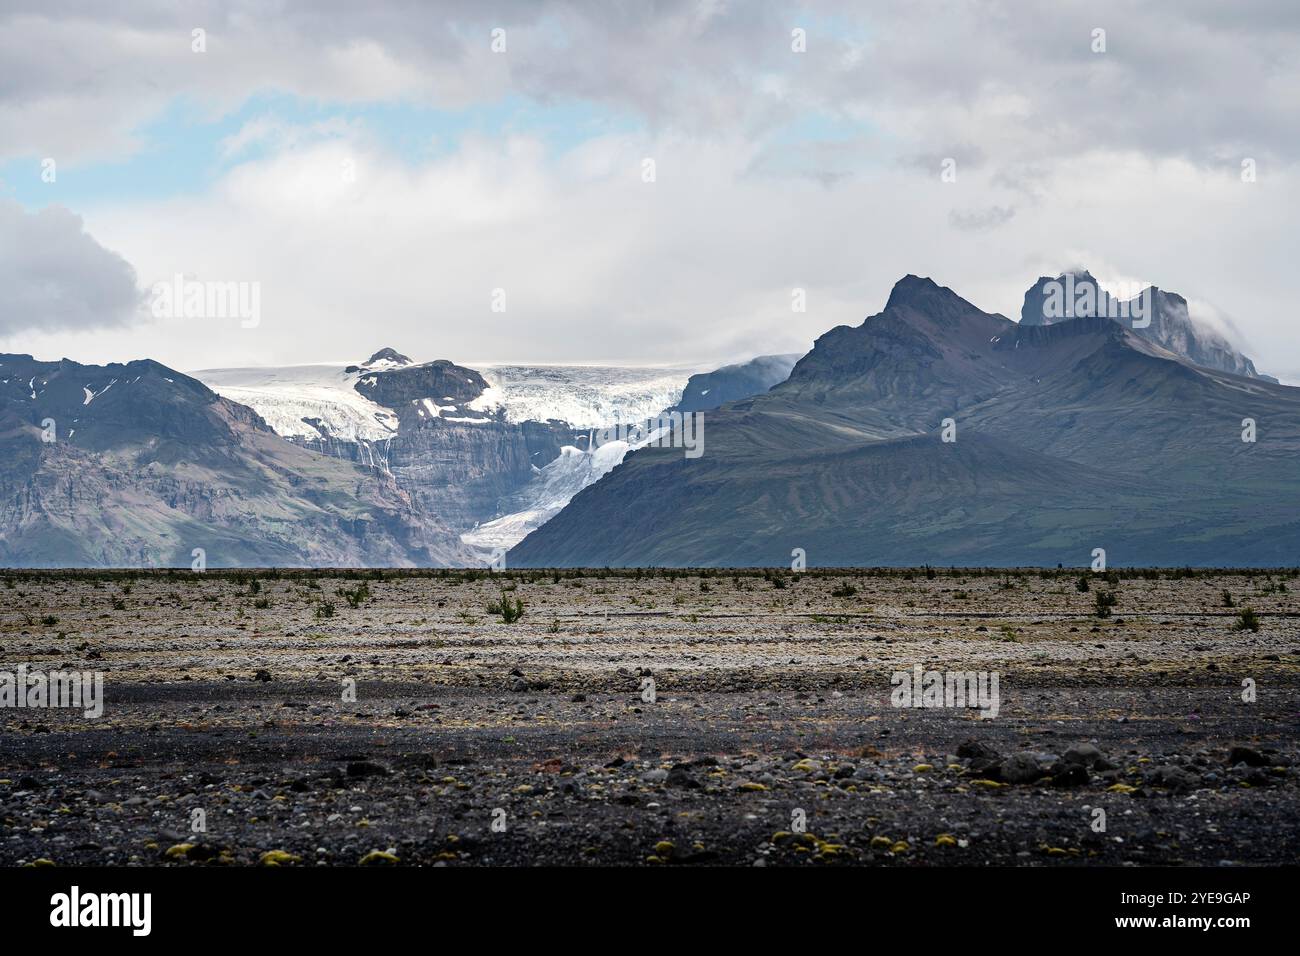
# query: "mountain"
733,382
493,451
1069,436
138,465
1164,319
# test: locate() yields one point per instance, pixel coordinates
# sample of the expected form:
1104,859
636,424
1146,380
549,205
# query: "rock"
1021,768
975,750
1251,758
1172,778
1085,755
367,768
656,776
1070,775
680,777
264,676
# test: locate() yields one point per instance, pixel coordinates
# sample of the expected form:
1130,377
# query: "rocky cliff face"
138,465
1165,319
732,383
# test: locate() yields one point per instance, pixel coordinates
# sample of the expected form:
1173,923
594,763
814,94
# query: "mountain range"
1062,438
932,433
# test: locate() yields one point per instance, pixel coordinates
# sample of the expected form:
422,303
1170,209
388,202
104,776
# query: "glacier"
308,403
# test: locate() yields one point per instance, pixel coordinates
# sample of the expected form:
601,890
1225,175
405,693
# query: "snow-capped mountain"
495,451
296,400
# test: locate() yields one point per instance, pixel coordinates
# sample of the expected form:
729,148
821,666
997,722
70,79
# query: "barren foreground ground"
768,737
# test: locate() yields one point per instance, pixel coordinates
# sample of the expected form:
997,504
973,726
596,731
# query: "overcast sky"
378,169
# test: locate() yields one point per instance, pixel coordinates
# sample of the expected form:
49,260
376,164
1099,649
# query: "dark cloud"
54,276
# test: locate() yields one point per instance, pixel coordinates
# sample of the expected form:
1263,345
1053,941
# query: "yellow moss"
752,786
780,835
179,851
923,768
664,848
900,847
990,784
375,857
42,863
277,858
1120,788
881,842
806,765
945,839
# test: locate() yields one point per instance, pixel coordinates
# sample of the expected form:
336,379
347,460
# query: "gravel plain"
302,718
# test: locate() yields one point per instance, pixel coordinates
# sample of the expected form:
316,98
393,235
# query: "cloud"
980,220
776,169
1010,82
54,276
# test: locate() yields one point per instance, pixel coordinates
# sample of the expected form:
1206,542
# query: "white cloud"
775,170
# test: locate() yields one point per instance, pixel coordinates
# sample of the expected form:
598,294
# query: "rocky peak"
382,360
1154,314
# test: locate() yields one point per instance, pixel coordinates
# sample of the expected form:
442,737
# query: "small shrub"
1247,620
1105,601
509,611
356,595
325,609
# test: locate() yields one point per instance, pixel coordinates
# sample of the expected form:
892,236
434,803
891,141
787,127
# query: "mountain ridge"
1037,414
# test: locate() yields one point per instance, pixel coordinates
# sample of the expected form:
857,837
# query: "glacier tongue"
546,495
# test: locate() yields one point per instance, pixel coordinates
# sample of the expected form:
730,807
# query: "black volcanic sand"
772,705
